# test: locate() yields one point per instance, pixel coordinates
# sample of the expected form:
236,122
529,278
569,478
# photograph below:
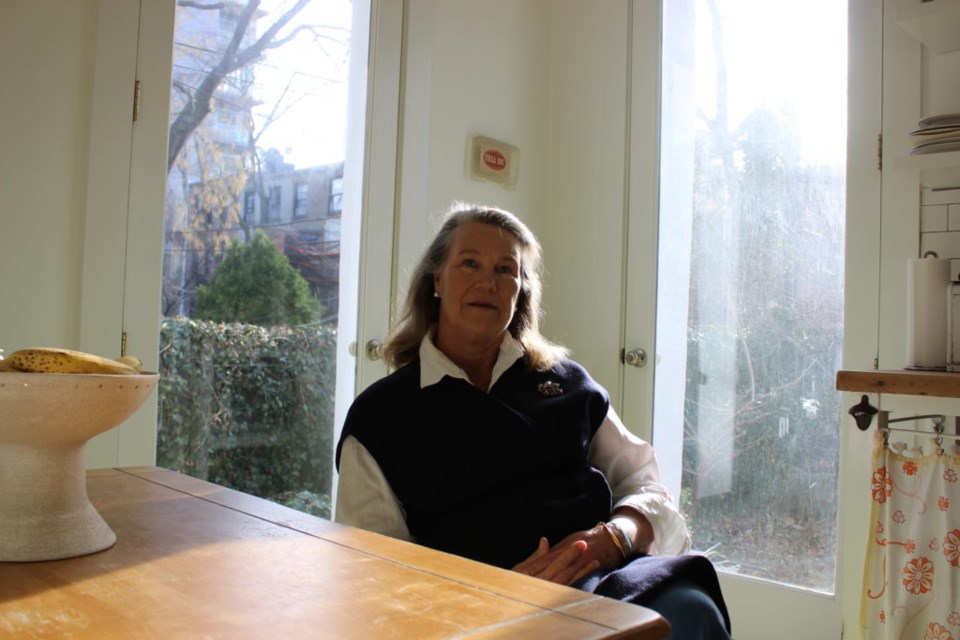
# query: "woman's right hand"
566,567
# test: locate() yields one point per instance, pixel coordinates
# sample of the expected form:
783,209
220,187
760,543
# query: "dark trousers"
692,614
683,589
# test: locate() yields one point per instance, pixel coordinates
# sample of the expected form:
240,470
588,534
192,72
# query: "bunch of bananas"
53,360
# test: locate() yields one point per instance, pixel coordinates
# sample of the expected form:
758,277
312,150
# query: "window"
331,232
751,279
249,205
301,200
273,204
248,338
335,205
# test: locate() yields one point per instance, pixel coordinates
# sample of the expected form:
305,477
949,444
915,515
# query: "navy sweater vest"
485,475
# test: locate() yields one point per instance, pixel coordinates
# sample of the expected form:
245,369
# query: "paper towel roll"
927,282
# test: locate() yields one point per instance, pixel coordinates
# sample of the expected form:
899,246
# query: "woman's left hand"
573,557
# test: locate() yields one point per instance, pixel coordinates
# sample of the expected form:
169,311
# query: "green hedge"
249,408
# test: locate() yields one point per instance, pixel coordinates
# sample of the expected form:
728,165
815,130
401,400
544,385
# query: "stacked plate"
937,134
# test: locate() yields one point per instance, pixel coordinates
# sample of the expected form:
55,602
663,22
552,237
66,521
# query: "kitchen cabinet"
936,25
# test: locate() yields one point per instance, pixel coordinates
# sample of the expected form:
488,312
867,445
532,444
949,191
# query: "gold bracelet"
624,538
613,536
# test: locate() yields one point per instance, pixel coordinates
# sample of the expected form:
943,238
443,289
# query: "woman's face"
478,284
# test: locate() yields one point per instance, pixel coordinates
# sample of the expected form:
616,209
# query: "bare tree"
213,156
241,50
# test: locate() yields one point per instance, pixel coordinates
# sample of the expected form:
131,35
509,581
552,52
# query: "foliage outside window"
249,408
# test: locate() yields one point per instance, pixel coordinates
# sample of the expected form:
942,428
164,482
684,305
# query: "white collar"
434,365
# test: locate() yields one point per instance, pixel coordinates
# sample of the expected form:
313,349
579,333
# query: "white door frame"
124,214
123,242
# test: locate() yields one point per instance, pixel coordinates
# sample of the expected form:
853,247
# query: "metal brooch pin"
549,389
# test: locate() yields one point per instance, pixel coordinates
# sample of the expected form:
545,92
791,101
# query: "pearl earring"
436,295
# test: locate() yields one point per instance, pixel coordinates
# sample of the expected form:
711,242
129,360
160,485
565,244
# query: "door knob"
373,349
635,357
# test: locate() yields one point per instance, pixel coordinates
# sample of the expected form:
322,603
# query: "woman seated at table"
490,443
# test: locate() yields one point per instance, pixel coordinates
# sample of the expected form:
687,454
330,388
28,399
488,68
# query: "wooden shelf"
932,23
936,384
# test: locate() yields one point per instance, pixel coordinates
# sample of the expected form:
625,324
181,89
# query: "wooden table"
196,560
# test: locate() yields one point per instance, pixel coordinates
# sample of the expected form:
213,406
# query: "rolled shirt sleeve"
631,468
364,497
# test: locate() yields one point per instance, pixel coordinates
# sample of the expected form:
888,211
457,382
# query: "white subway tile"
934,218
946,244
939,196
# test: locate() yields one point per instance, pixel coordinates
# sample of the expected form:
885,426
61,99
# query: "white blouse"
365,499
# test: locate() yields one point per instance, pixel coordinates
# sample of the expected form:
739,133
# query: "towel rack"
863,413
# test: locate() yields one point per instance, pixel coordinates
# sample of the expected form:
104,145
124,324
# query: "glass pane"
749,327
252,245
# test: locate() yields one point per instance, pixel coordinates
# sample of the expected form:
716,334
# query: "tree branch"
233,58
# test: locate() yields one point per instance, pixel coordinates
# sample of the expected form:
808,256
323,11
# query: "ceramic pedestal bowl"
46,420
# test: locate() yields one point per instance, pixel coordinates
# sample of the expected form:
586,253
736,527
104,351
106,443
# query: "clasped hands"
573,557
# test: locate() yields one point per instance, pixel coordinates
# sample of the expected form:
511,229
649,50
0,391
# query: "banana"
132,361
52,360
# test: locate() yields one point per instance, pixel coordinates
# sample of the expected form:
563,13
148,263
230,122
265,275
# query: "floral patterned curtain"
911,584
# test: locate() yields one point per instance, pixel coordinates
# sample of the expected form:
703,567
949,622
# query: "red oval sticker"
494,160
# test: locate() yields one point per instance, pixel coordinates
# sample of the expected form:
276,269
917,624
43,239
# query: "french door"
264,167
735,286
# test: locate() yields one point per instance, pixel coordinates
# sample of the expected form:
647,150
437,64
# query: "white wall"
472,68
548,77
68,73
46,71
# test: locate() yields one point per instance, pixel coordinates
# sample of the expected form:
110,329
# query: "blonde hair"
421,308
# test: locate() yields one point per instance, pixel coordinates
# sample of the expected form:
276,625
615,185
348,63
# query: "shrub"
249,408
256,284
